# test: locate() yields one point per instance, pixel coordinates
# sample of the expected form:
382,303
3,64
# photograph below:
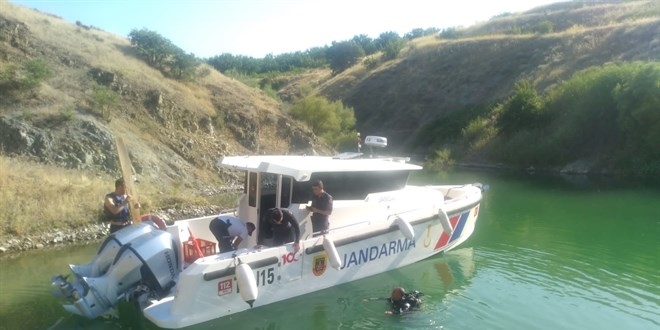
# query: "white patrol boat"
378,223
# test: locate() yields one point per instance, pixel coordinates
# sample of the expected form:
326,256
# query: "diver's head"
397,294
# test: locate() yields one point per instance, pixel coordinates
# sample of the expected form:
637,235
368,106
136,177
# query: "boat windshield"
351,185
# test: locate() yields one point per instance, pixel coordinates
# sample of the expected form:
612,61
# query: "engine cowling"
150,260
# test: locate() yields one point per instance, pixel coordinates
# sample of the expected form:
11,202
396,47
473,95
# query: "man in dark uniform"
284,227
321,209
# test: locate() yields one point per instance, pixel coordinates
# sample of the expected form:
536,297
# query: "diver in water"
402,302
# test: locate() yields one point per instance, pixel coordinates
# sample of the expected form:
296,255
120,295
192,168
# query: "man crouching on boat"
284,227
230,232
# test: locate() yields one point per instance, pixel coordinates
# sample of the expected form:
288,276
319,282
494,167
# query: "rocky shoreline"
88,234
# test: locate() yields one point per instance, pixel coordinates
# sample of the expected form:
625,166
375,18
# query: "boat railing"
336,229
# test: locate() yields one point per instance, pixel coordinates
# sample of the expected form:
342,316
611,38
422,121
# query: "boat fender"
444,221
246,283
331,250
405,228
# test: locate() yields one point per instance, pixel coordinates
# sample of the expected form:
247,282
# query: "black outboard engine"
150,260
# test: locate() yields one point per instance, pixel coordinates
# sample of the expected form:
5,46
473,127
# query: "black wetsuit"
408,302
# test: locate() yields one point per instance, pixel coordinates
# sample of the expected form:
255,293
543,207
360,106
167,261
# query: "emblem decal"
320,263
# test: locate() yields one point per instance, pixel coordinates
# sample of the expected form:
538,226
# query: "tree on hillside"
329,120
637,98
184,65
521,111
390,43
160,53
367,44
414,33
419,32
151,46
451,33
342,55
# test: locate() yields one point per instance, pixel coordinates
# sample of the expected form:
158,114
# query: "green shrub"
478,133
329,120
67,113
450,33
392,49
610,114
544,27
521,111
370,62
29,75
268,89
104,99
36,72
441,159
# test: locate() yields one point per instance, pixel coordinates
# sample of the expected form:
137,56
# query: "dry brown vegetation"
37,198
175,130
175,144
433,77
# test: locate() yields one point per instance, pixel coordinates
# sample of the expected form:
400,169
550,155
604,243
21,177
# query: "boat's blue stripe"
459,226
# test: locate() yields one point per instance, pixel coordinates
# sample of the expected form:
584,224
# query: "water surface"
547,253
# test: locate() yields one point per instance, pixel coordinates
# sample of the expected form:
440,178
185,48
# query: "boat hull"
208,288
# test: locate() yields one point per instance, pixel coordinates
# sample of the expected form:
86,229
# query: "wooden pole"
127,173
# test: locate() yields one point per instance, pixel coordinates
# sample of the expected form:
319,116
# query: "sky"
257,28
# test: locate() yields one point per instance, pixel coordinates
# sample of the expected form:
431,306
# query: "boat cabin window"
286,191
252,189
268,187
351,185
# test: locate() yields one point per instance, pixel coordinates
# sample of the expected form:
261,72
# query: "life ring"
155,220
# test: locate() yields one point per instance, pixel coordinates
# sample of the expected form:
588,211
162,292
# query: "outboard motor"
151,260
108,250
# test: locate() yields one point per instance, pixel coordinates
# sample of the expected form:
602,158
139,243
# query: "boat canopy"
301,167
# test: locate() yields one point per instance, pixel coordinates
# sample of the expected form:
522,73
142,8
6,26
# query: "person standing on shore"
116,207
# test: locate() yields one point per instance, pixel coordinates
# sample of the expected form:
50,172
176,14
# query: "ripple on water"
566,284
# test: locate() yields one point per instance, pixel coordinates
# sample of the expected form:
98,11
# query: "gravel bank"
91,233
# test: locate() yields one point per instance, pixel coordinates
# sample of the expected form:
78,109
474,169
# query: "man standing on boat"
230,232
284,227
116,207
321,209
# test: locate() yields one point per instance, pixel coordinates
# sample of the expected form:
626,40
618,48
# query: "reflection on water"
344,306
340,307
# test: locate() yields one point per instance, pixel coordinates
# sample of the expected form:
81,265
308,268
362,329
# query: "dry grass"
174,156
37,198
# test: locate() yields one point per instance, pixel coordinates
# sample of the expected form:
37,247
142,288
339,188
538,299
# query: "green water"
547,253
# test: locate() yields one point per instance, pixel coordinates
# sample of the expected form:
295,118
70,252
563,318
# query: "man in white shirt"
230,232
